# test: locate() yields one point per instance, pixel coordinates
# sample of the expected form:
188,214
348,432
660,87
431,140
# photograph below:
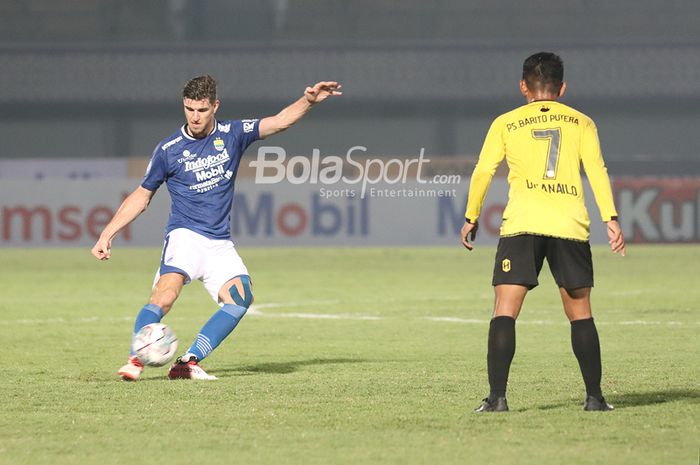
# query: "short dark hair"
200,88
543,71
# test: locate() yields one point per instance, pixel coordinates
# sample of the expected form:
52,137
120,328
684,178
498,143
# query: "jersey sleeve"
157,170
597,173
246,132
492,154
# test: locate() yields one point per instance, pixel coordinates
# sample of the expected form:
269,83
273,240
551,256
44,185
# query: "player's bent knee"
245,298
235,311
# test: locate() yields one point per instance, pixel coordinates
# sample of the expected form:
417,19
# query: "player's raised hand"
102,249
469,233
615,237
321,91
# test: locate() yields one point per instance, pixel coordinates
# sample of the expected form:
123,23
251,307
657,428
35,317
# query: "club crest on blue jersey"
219,144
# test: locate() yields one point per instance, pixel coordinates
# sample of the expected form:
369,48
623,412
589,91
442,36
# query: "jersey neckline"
184,131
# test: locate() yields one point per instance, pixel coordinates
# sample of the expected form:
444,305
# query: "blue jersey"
200,175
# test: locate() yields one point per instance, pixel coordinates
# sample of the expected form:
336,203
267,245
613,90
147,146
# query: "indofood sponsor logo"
207,162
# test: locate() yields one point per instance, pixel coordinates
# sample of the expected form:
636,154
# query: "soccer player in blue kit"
198,164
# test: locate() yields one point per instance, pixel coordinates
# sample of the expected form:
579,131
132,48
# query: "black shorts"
519,261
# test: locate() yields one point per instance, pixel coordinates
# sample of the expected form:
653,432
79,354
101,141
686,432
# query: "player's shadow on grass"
282,367
639,399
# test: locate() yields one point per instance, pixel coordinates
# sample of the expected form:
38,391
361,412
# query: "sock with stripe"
216,330
150,313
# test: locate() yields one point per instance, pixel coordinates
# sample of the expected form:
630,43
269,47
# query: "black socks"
584,341
500,354
501,348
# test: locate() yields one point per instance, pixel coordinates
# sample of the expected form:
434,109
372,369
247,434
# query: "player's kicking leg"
165,292
236,295
586,345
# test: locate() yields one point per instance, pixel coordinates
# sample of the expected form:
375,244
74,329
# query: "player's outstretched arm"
131,207
615,237
294,112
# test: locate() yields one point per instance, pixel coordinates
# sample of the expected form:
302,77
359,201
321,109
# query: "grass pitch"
352,356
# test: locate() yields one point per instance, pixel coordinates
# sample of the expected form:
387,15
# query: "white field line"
49,321
631,292
645,322
255,311
562,322
469,321
450,319
293,304
321,316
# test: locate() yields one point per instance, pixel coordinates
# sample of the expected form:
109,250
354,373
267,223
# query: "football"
155,344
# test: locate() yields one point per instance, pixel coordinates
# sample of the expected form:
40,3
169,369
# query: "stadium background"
350,354
89,88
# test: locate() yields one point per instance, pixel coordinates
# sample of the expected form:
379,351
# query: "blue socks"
216,329
210,336
150,313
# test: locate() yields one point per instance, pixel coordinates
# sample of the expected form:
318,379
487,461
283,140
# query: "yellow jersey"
544,144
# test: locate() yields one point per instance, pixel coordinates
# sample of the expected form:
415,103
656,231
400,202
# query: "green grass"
397,389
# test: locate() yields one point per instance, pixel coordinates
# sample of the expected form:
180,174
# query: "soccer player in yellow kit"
544,143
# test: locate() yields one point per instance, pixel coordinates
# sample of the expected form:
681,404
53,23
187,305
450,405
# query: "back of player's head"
543,71
200,88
